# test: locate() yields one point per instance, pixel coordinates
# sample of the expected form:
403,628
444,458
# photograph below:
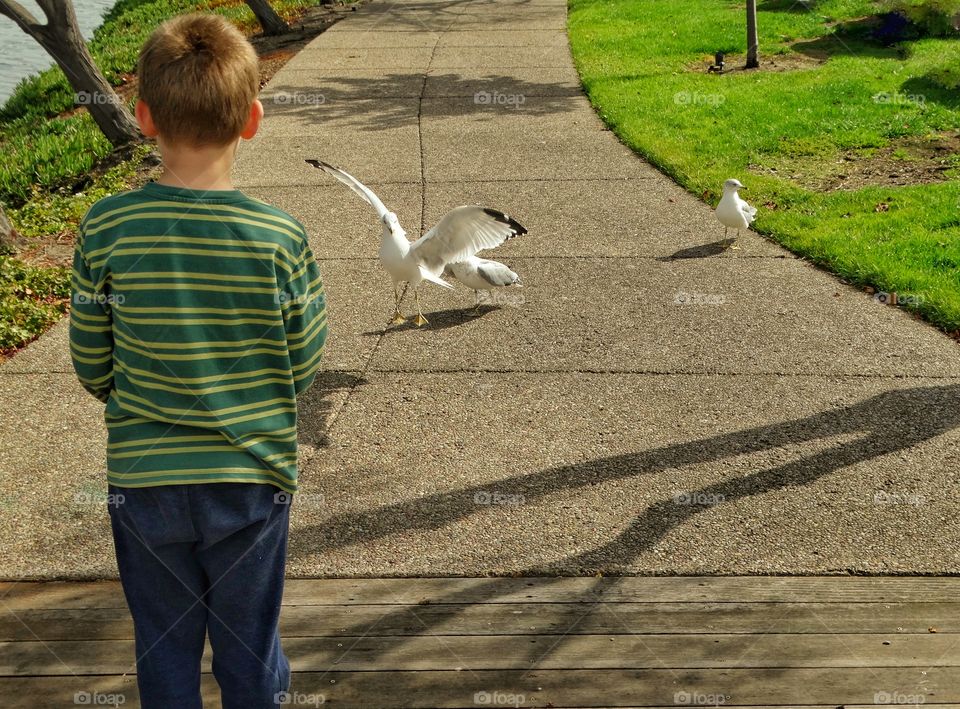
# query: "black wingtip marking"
516,226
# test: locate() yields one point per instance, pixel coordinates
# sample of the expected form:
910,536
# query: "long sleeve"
91,332
304,307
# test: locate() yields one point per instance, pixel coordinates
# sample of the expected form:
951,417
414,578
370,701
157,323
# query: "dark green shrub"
936,18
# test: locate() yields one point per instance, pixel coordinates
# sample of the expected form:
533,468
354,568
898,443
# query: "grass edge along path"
844,99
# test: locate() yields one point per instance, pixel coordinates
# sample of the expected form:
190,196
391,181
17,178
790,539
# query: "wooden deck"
538,642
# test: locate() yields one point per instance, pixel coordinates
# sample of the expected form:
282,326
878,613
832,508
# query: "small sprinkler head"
718,64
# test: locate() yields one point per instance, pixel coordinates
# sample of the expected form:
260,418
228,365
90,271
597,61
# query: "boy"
198,316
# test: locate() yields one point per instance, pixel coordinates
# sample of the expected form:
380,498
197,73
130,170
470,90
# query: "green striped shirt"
197,317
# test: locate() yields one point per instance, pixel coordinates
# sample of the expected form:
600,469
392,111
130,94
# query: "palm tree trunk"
61,37
268,18
8,235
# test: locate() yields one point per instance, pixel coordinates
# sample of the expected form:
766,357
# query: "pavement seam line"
656,373
467,181
373,352
598,372
335,415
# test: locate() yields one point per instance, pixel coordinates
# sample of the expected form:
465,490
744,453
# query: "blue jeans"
198,559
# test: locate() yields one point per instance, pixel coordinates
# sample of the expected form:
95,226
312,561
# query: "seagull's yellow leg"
476,297
734,247
398,318
419,320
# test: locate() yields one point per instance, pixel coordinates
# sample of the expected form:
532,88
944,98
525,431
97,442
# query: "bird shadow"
439,320
703,251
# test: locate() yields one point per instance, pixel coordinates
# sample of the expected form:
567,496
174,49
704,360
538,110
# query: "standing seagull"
733,212
461,233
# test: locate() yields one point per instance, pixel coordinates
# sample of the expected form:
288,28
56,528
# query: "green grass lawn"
48,150
847,103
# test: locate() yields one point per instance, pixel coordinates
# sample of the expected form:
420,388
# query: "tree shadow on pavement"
886,423
429,16
378,103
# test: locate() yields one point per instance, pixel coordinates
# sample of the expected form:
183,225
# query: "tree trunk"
753,60
268,18
61,37
8,235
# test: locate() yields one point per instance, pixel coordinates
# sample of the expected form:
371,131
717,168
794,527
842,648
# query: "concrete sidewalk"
773,420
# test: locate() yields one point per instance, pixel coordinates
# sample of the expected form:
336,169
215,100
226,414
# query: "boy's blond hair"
199,76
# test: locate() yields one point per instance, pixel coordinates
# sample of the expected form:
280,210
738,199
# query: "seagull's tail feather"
427,276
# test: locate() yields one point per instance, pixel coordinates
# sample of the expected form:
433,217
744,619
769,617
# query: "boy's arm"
91,331
304,307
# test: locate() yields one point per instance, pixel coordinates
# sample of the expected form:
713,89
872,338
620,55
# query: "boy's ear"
145,120
253,122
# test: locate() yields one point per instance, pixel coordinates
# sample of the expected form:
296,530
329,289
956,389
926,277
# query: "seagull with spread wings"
456,239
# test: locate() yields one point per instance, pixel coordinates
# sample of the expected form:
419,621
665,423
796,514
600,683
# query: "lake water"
20,55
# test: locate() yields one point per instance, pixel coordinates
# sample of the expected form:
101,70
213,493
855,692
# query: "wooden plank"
21,595
401,591
507,652
628,589
616,688
528,619
60,692
800,688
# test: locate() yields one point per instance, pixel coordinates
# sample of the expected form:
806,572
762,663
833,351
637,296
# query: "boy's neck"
197,168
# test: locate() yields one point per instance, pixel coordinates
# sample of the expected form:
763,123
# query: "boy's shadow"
316,405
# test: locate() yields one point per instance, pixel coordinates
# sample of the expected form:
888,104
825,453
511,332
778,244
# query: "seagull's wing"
353,183
749,212
463,232
497,274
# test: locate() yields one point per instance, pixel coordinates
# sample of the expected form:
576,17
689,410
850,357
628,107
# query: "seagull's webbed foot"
419,321
398,318
479,303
